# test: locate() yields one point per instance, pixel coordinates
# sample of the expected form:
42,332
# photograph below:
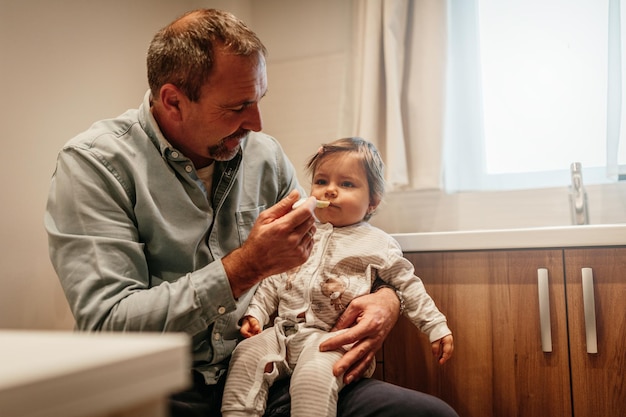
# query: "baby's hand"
250,326
443,348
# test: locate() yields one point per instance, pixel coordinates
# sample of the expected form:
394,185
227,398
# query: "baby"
348,256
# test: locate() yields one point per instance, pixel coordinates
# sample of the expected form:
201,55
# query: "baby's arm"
443,348
420,307
250,326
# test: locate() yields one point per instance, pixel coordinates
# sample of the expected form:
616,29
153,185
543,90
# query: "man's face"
227,110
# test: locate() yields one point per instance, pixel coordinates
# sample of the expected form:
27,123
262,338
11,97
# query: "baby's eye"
347,184
320,182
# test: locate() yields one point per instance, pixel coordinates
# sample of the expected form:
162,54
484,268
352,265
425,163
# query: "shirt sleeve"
97,253
420,308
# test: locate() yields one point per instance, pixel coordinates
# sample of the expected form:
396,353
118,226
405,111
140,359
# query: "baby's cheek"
321,215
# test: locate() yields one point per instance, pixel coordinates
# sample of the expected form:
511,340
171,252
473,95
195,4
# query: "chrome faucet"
578,196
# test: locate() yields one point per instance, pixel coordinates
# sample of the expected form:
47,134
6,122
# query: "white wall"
434,211
65,64
308,43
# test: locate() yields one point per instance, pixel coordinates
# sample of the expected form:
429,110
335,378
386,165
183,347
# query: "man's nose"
253,120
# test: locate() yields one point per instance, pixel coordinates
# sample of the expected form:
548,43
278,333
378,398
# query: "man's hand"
369,319
280,239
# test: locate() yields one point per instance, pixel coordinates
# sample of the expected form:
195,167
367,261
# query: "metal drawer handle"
589,306
544,309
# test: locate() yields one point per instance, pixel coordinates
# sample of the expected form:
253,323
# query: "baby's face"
341,179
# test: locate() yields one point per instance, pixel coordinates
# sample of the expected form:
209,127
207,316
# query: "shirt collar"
151,127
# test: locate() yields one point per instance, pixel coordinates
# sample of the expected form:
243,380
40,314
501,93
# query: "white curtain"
616,108
395,90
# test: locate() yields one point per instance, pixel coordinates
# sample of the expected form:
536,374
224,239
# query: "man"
166,218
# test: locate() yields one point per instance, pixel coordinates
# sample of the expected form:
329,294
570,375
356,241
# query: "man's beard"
221,152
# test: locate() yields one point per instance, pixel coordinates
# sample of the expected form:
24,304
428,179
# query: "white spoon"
318,203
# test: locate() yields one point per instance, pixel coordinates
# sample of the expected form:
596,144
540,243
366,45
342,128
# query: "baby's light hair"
369,156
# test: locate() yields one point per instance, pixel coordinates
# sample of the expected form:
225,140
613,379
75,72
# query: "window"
527,93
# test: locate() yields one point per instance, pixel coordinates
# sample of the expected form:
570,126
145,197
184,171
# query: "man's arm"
101,259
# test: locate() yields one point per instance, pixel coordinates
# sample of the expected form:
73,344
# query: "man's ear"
173,101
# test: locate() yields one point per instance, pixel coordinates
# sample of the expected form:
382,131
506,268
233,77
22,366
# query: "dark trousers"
367,397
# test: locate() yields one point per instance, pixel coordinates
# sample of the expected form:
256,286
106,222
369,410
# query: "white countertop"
70,374
542,237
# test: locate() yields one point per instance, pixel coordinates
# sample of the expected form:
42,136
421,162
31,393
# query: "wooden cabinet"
598,387
491,299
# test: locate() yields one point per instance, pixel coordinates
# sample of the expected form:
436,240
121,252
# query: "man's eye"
240,108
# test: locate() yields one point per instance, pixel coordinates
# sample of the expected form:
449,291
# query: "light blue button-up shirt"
136,241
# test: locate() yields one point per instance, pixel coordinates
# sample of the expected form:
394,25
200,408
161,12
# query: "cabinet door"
491,301
598,378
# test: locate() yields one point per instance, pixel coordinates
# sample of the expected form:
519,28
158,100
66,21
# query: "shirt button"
174,154
188,168
217,336
221,310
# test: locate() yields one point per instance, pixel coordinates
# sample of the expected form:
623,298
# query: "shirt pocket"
245,221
